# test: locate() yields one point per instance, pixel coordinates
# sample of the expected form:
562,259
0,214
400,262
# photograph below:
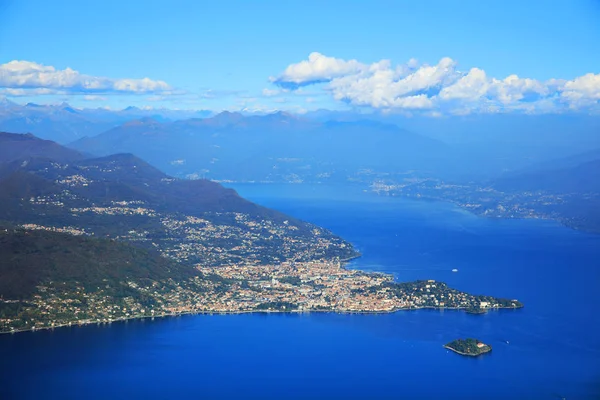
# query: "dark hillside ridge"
120,196
32,258
23,146
124,177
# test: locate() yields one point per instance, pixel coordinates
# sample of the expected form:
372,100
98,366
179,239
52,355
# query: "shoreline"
343,265
559,221
467,354
166,315
348,259
563,222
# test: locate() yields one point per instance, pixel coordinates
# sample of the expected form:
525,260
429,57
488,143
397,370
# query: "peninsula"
51,279
97,240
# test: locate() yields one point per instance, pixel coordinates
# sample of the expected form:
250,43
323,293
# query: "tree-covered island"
468,347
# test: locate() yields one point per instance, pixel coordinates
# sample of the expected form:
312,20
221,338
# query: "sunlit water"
548,350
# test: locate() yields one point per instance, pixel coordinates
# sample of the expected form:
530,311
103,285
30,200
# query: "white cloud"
440,88
317,68
582,91
26,75
512,89
471,86
382,86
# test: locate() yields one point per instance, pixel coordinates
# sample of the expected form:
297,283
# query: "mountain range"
64,123
277,147
512,156
318,146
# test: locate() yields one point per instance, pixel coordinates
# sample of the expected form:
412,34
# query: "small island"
468,347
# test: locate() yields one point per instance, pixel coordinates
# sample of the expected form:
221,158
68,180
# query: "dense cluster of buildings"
318,285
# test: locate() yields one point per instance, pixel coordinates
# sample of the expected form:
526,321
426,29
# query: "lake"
548,350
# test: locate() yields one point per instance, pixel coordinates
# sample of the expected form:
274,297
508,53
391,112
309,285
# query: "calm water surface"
553,348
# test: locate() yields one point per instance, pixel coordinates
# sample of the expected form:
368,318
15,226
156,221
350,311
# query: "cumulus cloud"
582,91
318,68
472,86
381,86
513,89
30,76
438,88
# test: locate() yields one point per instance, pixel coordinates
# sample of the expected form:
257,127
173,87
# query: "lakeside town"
489,202
238,262
320,285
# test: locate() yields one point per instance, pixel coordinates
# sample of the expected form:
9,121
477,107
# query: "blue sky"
221,55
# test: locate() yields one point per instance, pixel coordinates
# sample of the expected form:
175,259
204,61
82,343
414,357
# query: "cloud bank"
439,88
21,78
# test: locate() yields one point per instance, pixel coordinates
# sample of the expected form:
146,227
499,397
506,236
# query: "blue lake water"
553,348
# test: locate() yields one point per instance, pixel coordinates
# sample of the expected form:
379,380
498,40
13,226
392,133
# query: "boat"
454,270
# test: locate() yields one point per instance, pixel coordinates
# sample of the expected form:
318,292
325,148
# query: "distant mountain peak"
282,115
228,115
278,118
142,121
226,112
224,118
68,108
